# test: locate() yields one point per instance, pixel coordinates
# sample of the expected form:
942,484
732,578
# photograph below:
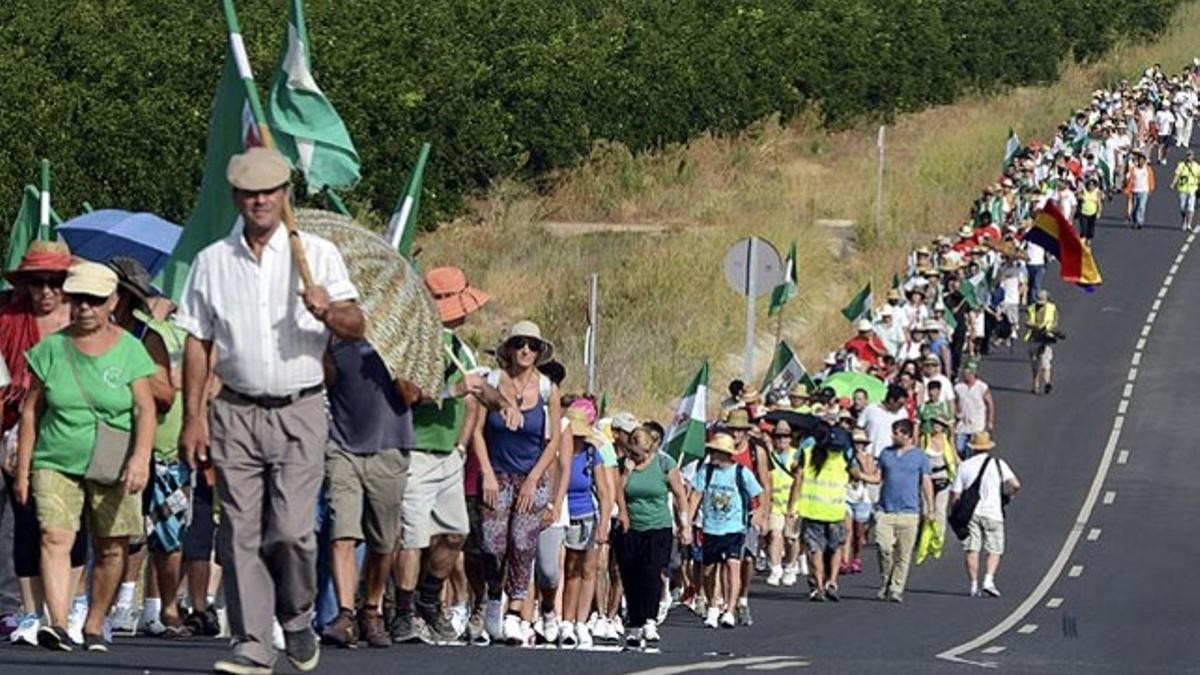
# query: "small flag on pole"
785,371
402,227
686,435
859,306
787,289
24,229
1011,147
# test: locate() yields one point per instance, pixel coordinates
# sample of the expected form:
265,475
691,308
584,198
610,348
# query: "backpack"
740,481
544,386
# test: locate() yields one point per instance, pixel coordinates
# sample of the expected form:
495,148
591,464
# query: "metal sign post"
589,346
879,185
753,268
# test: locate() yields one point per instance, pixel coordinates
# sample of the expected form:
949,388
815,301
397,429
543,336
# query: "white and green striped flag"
785,371
306,127
1106,175
787,289
686,435
402,226
1011,147
859,306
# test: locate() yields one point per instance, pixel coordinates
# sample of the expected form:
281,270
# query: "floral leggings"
511,538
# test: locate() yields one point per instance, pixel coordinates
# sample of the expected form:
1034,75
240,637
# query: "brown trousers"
270,464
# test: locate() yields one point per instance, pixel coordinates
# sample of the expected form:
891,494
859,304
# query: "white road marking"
1076,570
1118,422
994,650
1027,628
1169,280
1128,390
1137,358
1054,603
1122,457
1145,331
1094,534
1174,268
1162,292
1132,374
708,665
1110,497
1141,344
1156,305
779,665
1123,406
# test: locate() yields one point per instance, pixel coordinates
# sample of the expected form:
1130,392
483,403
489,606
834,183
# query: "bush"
117,93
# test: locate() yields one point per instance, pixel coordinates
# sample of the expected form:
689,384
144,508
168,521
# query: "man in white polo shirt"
266,432
986,528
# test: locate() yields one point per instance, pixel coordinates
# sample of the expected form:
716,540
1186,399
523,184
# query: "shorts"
201,526
474,543
778,525
435,501
112,512
822,536
750,543
1042,355
860,511
1165,140
365,493
581,534
721,547
985,533
166,502
1187,202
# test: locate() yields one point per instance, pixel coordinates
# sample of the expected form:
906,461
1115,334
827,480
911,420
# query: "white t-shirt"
877,422
1140,177
972,407
1165,121
1011,276
947,393
989,488
1037,254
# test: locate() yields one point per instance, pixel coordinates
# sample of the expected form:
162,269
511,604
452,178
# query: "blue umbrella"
103,235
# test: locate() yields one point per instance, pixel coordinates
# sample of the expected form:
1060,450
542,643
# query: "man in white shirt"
877,418
269,427
976,409
986,528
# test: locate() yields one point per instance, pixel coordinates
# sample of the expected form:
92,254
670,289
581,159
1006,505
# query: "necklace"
520,385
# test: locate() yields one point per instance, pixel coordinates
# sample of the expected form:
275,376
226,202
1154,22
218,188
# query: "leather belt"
271,402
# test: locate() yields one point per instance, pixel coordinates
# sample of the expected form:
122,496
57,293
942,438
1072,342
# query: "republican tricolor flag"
1052,231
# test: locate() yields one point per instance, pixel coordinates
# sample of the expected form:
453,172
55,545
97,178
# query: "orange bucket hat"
455,297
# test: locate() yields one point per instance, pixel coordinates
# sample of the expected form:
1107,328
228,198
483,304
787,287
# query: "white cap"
863,325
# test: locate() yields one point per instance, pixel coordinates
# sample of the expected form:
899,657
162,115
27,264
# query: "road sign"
752,268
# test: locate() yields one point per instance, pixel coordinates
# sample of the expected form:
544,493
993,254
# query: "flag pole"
44,211
289,218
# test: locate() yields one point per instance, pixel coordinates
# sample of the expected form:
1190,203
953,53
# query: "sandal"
176,631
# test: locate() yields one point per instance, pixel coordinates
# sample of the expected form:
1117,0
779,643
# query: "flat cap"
258,169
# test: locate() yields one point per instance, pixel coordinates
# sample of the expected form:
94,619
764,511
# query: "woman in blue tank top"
513,464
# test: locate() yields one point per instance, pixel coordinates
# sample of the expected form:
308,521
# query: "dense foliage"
117,92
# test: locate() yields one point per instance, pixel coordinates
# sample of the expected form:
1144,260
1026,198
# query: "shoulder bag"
112,446
960,516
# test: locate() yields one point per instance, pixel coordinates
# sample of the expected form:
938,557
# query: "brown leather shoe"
343,632
373,627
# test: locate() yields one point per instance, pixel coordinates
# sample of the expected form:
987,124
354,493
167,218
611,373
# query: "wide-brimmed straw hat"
454,296
42,256
981,441
738,419
530,331
577,423
722,443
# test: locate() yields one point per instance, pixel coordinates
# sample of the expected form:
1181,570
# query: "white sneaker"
775,576
27,628
803,563
125,619
650,632
528,637
511,630
583,636
493,620
277,636
550,628
458,618
664,608
616,627
151,626
711,620
601,630
728,620
991,590
223,624
566,635
75,619
790,574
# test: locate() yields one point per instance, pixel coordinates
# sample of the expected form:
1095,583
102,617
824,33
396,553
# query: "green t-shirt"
646,495
170,424
435,429
67,429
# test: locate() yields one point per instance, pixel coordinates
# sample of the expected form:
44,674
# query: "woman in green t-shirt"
93,371
648,479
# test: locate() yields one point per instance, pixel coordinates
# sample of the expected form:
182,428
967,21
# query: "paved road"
1119,600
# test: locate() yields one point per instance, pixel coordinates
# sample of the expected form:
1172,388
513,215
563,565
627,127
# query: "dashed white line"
1123,457
1137,358
1174,268
1118,422
1141,344
1054,603
1162,292
1093,534
779,665
1076,570
1132,374
1151,317
994,650
1123,406
1169,280
1145,331
1110,497
1156,305
1128,390
1027,628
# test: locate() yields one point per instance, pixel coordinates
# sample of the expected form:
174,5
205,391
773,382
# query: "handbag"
960,516
112,446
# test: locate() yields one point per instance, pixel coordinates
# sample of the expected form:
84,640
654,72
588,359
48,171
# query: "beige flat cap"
258,169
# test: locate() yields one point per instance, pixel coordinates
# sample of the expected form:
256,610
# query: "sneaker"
712,617
458,619
277,638
789,576
831,592
27,630
616,628
1049,387
550,628
493,620
775,577
664,609
567,638
303,649
373,628
815,595
124,620
440,630
882,593
240,665
856,566
342,631
514,634
602,630
728,620
410,628
897,598
584,636
94,643
974,592
633,639
528,637
152,626
75,619
803,562
476,631
650,632
204,624
54,638
991,590
743,615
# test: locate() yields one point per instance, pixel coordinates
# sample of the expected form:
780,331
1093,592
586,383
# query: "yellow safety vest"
823,496
781,480
1188,175
1089,203
1047,319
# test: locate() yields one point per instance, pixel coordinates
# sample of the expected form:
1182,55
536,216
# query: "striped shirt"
268,343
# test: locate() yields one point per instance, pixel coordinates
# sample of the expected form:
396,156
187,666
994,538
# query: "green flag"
686,435
787,289
1079,142
305,126
859,306
24,229
402,227
1106,174
1011,147
949,320
895,282
603,409
785,371
233,126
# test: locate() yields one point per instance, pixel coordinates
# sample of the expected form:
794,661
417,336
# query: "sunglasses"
534,344
39,281
87,299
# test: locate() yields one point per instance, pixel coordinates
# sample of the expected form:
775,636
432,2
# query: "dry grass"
665,305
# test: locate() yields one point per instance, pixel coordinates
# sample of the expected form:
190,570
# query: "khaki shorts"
112,512
985,533
365,493
778,525
434,501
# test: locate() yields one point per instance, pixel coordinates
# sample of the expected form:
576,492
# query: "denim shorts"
860,511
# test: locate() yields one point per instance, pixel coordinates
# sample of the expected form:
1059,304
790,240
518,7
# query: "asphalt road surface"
1097,577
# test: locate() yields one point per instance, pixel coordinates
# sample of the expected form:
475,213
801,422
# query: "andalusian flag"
785,371
859,306
402,227
1011,147
949,320
787,289
1079,143
233,126
1106,174
686,435
306,128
